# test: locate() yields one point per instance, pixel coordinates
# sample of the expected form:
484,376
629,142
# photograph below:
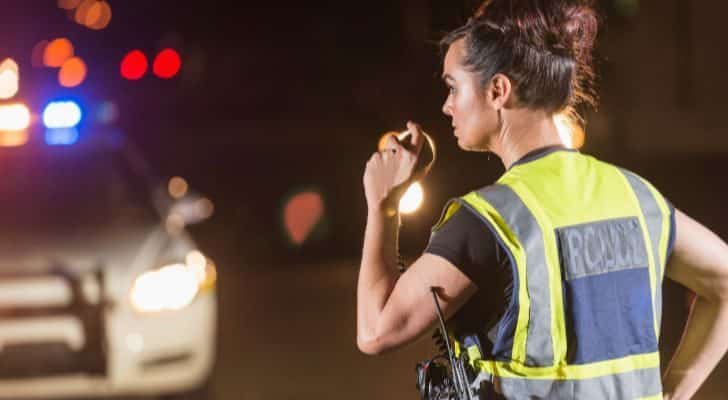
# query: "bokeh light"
177,187
197,263
571,133
383,140
8,79
82,11
210,275
62,114
107,112
13,138
72,72
14,117
98,16
301,215
57,52
167,64
170,288
61,136
412,199
195,259
205,208
134,65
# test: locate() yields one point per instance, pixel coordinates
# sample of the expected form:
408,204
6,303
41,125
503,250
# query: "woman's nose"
446,108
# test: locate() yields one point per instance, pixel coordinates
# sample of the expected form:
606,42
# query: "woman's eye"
452,89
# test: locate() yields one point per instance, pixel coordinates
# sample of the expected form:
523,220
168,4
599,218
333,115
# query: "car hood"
77,251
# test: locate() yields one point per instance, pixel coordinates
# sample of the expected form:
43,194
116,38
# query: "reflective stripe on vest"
536,315
657,214
588,243
638,384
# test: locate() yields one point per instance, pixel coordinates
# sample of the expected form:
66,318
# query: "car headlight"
173,286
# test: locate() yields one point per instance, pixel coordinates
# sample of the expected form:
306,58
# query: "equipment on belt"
434,382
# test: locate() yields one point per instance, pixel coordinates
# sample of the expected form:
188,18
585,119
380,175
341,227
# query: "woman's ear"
500,91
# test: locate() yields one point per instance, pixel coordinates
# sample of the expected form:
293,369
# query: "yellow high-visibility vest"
588,243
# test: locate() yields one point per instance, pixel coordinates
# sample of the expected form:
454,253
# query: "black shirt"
467,243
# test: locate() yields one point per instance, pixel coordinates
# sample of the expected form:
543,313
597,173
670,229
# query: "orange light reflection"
57,52
72,73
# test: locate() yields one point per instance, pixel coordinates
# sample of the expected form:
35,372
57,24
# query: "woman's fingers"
418,138
392,143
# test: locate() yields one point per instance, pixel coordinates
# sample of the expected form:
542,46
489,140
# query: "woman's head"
518,54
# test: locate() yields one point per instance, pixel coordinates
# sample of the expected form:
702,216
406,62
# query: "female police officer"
578,246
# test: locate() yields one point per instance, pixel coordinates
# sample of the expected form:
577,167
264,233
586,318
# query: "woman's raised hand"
389,172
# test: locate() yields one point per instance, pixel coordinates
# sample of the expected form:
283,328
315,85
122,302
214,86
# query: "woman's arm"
394,309
699,261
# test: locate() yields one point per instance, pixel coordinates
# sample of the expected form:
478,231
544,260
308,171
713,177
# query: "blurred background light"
14,117
62,114
80,15
57,52
196,262
177,187
107,112
172,287
98,15
562,126
8,79
412,199
61,136
571,133
72,72
203,268
167,64
134,65
13,138
195,259
301,215
383,140
205,208
68,4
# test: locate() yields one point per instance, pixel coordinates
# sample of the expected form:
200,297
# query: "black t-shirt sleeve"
468,244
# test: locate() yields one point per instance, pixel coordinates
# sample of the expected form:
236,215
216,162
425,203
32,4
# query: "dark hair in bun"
543,46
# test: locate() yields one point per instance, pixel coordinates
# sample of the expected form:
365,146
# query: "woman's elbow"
387,335
374,346
368,347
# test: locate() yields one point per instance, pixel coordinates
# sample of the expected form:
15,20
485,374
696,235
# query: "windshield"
63,188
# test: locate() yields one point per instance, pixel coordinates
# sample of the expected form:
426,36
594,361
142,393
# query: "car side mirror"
180,208
190,209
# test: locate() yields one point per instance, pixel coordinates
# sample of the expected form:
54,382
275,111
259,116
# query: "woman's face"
474,118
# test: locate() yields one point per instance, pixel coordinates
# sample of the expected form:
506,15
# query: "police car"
102,290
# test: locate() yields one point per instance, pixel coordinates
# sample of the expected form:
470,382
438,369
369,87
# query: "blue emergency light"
61,136
62,114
